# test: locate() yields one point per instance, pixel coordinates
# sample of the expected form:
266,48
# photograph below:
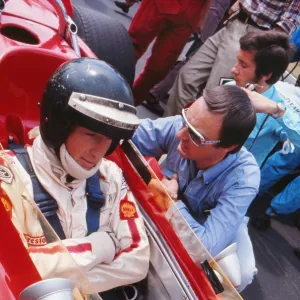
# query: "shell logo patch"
127,210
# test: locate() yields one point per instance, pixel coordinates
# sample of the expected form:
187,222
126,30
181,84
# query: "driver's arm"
96,255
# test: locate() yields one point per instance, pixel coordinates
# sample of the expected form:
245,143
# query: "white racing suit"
94,254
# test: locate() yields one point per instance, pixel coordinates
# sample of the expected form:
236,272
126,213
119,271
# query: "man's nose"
182,134
97,151
234,70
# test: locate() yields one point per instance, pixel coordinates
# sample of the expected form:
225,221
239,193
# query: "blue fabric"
95,200
289,123
42,198
295,39
276,167
226,189
270,133
288,200
279,164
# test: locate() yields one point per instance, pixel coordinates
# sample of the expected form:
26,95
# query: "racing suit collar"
45,158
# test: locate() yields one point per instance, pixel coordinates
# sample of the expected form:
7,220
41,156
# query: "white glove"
112,236
104,244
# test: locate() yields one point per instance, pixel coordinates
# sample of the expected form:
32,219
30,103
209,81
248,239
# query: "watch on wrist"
281,108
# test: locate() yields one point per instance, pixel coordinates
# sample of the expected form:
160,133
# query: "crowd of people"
218,138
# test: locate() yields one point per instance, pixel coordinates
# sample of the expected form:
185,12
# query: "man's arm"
288,119
224,220
95,254
290,19
131,263
153,138
131,260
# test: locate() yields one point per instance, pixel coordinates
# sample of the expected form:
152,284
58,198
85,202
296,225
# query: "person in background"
295,39
282,163
262,59
213,21
211,64
170,24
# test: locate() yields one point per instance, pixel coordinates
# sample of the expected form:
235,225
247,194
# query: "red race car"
37,36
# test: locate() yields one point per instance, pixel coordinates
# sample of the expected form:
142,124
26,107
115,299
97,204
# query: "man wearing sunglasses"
212,178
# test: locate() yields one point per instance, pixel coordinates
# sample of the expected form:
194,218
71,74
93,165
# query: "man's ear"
231,148
266,77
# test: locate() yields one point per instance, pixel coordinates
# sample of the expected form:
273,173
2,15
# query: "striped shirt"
269,13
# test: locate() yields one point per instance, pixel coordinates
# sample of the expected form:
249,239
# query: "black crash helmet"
89,93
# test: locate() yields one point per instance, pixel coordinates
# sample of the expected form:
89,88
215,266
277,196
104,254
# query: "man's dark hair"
239,115
273,52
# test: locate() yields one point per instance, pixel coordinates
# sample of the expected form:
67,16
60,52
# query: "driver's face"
87,147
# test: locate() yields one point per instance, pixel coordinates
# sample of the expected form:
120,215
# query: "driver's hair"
239,115
272,52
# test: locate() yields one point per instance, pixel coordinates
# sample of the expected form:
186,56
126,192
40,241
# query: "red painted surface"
193,273
17,270
153,163
25,68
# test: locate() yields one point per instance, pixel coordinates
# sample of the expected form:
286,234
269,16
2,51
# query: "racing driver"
86,109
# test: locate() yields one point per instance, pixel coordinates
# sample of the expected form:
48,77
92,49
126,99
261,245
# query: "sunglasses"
197,138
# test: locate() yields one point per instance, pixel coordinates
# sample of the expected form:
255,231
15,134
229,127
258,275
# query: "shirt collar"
211,173
46,159
269,92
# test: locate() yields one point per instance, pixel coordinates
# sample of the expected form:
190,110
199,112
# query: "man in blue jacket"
215,173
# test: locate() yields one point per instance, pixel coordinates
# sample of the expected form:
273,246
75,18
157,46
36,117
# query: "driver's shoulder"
110,171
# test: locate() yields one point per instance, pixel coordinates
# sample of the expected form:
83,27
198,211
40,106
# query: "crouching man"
215,178
87,108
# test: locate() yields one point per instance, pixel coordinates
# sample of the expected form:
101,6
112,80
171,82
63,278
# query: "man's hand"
171,185
279,29
235,7
112,235
262,104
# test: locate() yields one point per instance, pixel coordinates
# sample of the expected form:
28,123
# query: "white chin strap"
73,168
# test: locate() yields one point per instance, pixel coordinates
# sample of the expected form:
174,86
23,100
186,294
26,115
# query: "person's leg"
276,167
145,26
227,52
165,51
214,16
213,61
246,255
288,200
160,90
194,73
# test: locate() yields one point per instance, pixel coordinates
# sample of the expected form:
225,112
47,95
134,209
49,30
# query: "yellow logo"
6,204
127,210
